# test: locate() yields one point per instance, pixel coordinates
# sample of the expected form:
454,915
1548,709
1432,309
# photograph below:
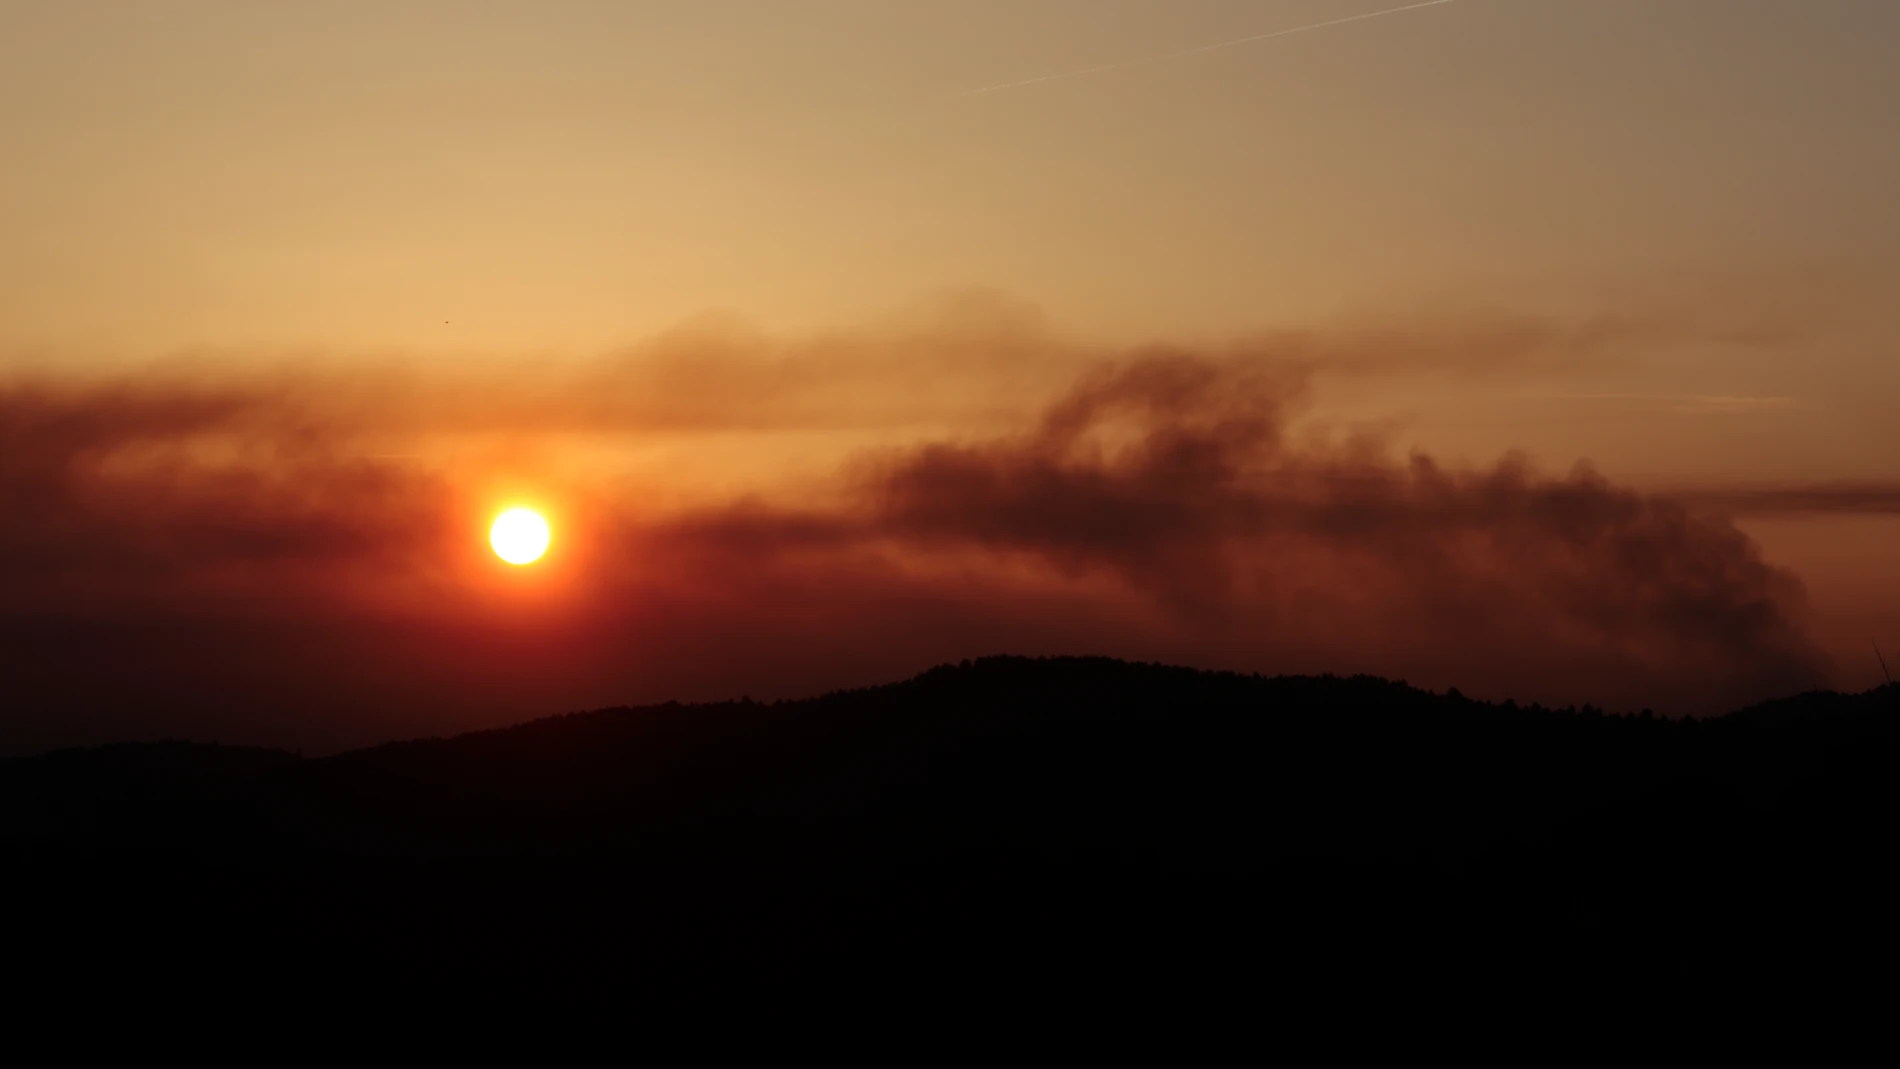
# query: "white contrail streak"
1196,50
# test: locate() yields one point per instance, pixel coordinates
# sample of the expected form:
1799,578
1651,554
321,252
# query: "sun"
520,536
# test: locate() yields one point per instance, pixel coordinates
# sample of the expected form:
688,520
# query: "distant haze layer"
298,553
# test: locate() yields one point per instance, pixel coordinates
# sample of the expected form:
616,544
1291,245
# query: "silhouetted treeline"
1082,823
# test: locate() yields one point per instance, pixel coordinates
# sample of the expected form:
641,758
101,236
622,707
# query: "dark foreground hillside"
1033,825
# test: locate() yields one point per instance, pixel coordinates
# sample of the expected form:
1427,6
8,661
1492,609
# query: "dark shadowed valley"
1040,825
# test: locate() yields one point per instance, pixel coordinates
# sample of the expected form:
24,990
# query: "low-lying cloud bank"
298,559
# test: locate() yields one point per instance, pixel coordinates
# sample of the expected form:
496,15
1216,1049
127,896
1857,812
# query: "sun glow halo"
520,536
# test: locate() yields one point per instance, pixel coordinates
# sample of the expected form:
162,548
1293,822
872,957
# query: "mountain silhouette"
1063,824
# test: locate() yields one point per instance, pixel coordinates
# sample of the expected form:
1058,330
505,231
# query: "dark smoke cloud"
1172,477
232,561
1835,498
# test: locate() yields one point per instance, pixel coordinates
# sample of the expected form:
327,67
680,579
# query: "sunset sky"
827,361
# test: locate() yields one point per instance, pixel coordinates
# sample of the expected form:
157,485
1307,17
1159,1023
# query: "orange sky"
687,254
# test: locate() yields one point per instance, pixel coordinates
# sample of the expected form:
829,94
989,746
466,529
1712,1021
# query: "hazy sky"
561,177
573,174
1659,235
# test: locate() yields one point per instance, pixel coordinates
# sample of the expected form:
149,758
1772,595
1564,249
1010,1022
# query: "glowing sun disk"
520,536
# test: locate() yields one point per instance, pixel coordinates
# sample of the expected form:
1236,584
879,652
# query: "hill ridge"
962,815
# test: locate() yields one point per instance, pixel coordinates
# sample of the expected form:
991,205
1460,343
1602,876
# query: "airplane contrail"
1216,46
